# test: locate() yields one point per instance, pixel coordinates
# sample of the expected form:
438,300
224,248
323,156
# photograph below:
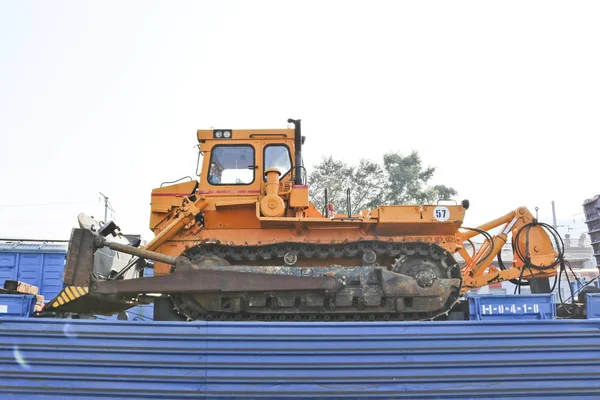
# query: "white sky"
501,97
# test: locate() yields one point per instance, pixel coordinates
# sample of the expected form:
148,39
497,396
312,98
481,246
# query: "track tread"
318,251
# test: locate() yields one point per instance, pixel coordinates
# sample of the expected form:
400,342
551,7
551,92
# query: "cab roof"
241,134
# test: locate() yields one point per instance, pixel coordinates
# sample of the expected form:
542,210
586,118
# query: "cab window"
278,156
231,165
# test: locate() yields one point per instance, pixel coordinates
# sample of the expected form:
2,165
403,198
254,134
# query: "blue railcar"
534,359
37,263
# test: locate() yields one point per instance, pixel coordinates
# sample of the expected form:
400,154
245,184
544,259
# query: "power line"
47,204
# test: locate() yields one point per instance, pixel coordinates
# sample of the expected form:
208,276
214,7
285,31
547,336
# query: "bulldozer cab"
259,170
235,161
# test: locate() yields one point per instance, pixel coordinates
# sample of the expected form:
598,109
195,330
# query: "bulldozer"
243,242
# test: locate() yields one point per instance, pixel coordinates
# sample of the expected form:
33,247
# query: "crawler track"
362,298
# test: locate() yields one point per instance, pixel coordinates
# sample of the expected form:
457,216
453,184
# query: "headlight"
222,133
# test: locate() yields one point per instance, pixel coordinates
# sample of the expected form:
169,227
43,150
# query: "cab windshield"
231,165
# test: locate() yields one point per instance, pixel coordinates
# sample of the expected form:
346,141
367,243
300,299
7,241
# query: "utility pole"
106,206
553,215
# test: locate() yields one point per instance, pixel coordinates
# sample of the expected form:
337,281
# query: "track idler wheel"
187,304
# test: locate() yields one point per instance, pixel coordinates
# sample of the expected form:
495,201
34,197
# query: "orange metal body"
231,213
478,271
263,205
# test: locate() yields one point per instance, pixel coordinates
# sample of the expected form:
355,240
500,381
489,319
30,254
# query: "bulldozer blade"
77,299
80,258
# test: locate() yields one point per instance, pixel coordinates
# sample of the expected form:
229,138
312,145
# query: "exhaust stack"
298,146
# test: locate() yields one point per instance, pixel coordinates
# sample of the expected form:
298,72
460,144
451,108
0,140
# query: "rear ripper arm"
533,253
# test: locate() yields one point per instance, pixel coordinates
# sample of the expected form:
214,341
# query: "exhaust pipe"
298,146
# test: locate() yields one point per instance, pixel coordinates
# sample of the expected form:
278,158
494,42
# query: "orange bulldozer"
245,243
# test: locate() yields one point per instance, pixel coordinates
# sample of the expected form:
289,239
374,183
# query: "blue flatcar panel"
510,307
8,267
52,275
592,305
30,268
16,305
536,359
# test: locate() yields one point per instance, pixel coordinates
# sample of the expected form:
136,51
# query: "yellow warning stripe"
68,294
